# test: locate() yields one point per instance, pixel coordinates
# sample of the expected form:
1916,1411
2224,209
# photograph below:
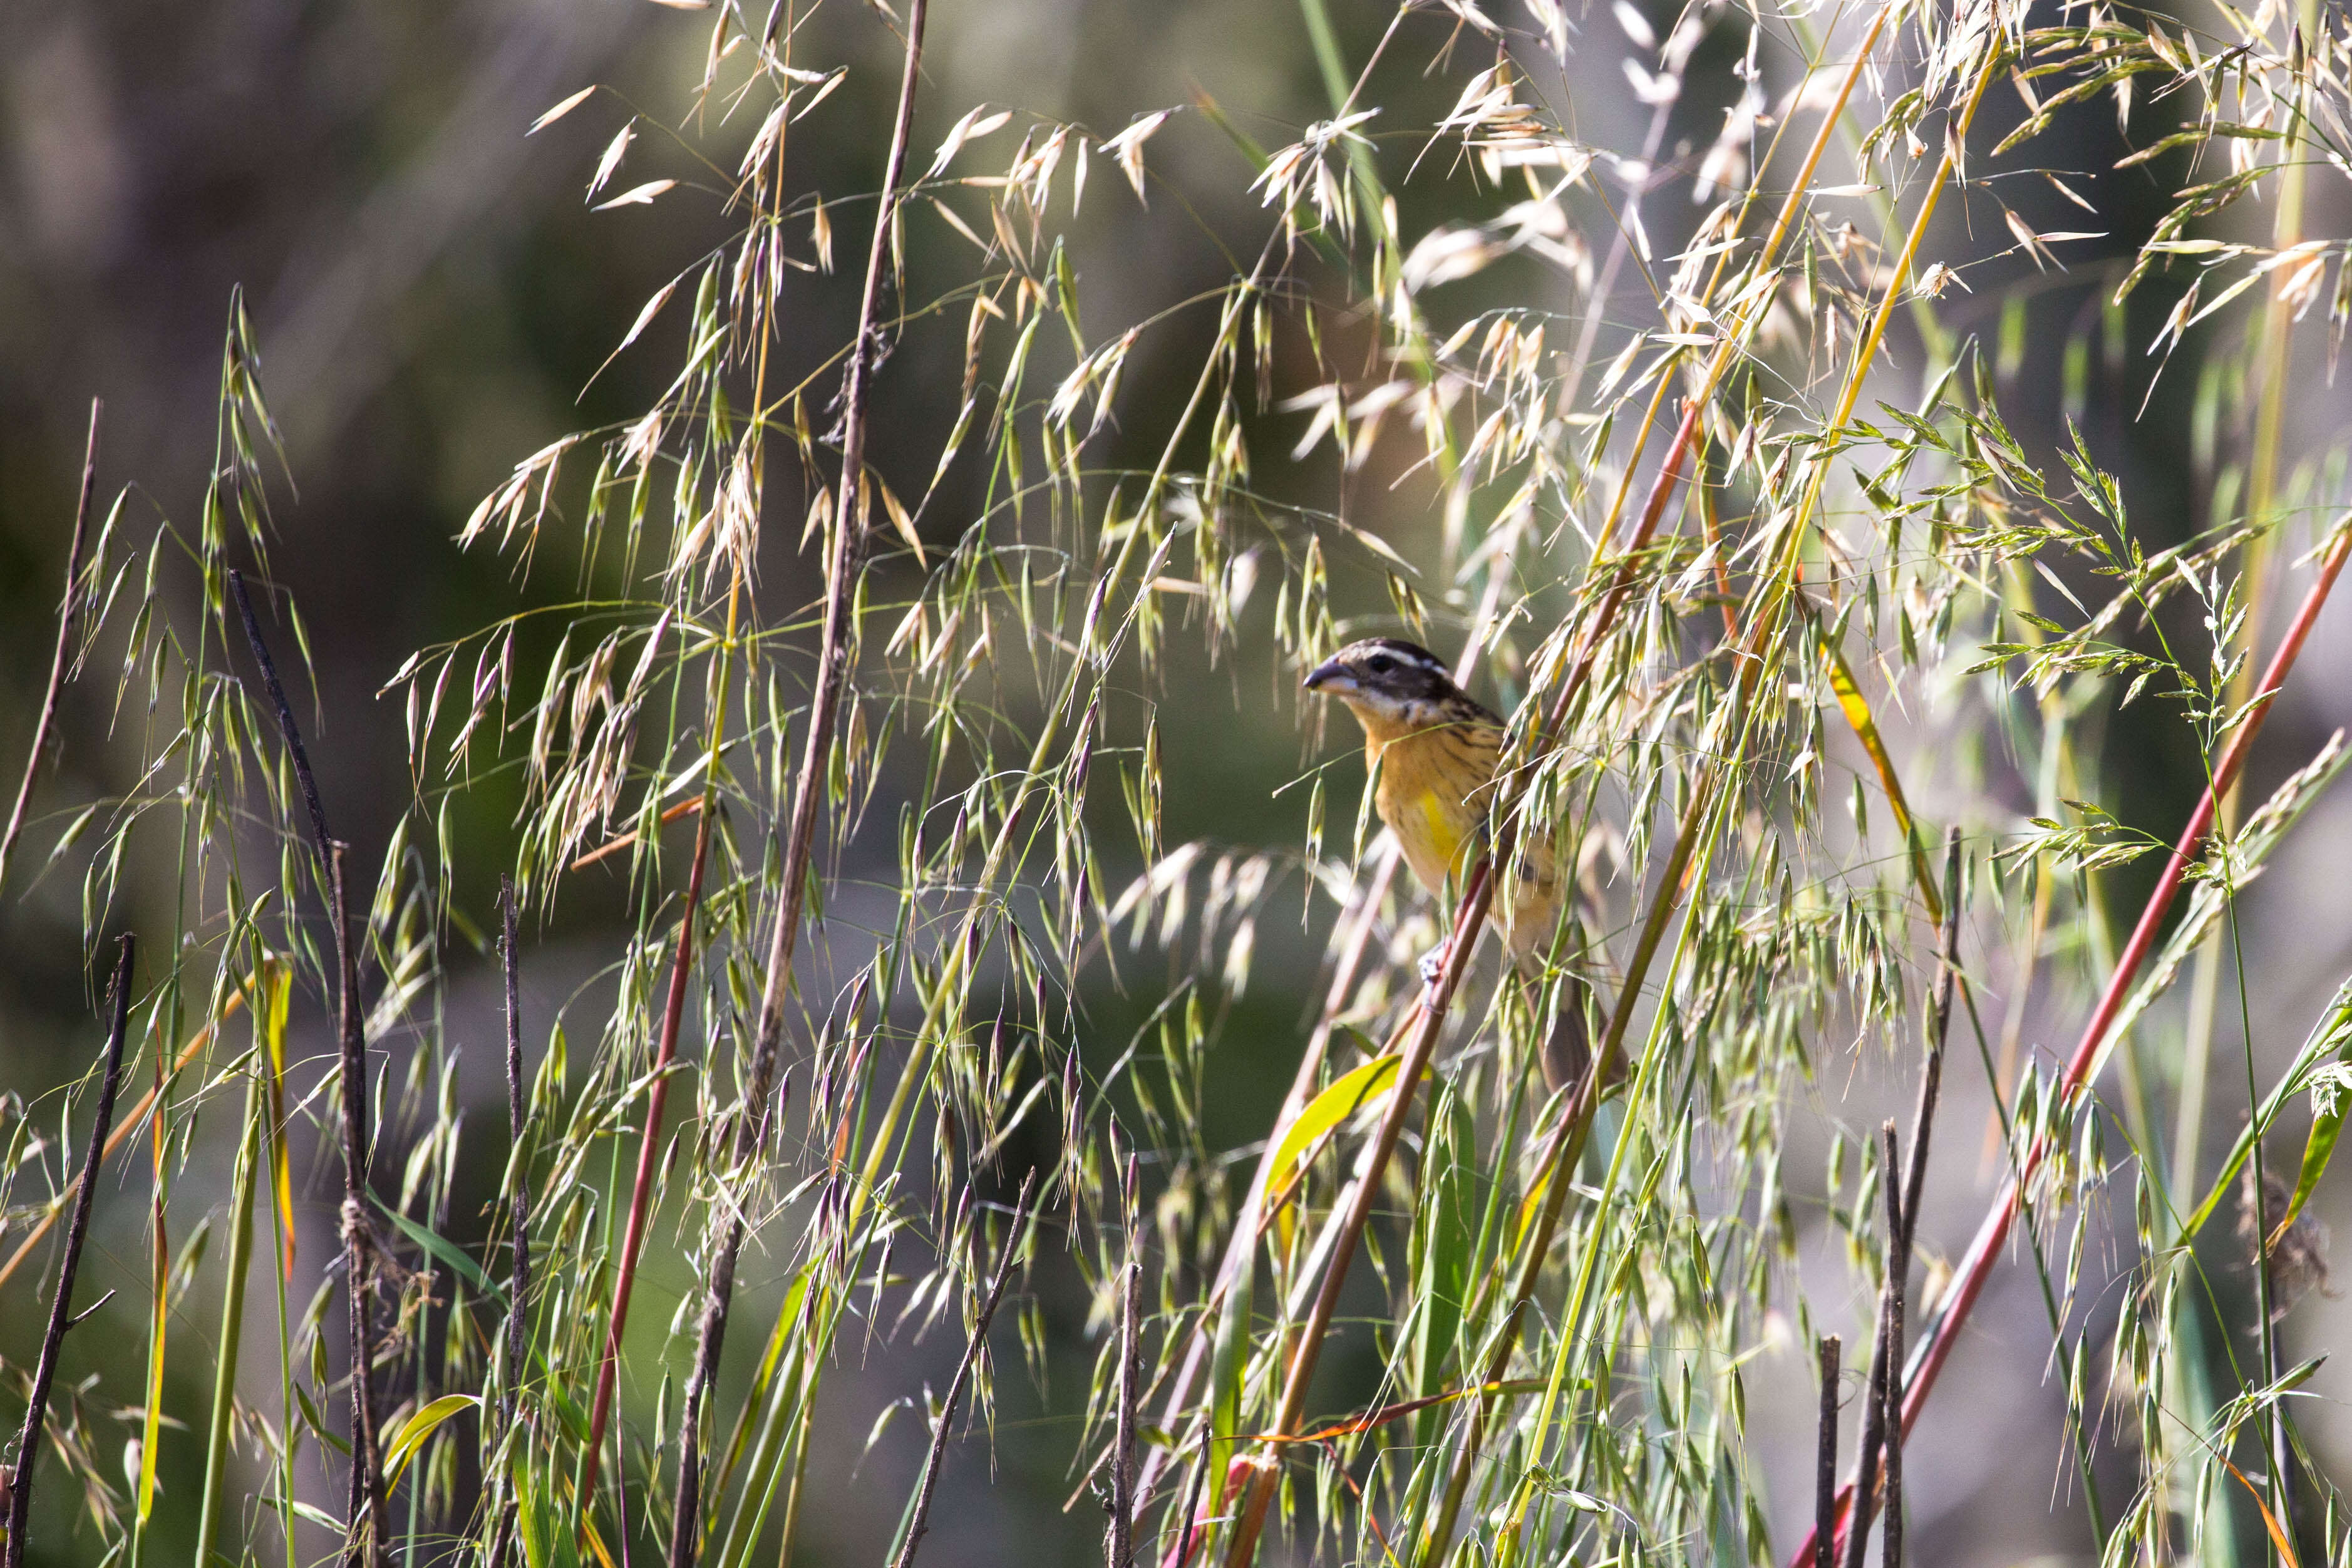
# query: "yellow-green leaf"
1347,1094
273,998
2318,1150
1856,709
418,1427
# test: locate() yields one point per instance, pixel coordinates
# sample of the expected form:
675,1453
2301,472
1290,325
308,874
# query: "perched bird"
1434,750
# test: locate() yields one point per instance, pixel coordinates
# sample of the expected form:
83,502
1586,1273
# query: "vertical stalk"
1900,1219
519,1216
842,570
273,991
1825,1457
45,1371
159,1321
2276,358
363,1543
232,1331
64,655
632,1239
1118,1540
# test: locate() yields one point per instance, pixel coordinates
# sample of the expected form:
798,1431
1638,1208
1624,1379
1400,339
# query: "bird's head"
1392,687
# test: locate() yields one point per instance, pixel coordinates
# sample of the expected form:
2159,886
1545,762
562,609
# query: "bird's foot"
1432,965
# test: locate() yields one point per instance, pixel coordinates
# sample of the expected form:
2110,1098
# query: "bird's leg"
1432,965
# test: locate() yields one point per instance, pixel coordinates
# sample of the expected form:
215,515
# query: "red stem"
648,1148
1976,1266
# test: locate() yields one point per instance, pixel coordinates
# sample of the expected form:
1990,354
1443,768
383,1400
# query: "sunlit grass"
891,854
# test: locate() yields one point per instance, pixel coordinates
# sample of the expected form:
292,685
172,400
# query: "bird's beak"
1330,673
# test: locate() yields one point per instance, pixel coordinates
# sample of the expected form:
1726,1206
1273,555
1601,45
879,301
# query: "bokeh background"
433,299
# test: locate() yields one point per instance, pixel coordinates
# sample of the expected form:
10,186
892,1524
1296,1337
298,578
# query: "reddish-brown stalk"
842,571
632,1238
1976,1266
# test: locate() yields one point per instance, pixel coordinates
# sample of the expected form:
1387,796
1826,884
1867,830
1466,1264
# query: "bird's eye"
1380,664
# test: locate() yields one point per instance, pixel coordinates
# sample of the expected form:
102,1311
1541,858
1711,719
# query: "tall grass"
1704,538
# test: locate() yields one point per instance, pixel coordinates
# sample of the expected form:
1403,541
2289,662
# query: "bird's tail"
1567,1051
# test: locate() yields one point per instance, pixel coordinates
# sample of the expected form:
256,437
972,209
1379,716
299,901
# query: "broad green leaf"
418,1427
1227,1365
2333,1034
2326,1126
1347,1094
1442,1257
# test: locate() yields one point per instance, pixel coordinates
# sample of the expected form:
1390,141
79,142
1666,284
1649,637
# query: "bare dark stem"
518,1279
364,1542
1118,1541
1883,1416
920,1521
1900,1221
62,1317
64,655
848,551
1874,1412
1825,1469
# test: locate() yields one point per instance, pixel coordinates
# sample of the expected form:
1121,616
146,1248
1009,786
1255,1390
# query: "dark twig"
364,1542
848,551
61,1313
1825,1473
519,1283
64,655
359,1242
1923,1126
1883,1416
518,1279
1900,1221
918,1521
1874,1410
1118,1542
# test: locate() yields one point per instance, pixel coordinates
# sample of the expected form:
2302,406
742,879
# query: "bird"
1434,751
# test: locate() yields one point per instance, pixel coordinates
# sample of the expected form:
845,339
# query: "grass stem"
842,571
1016,1234
62,1317
63,657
